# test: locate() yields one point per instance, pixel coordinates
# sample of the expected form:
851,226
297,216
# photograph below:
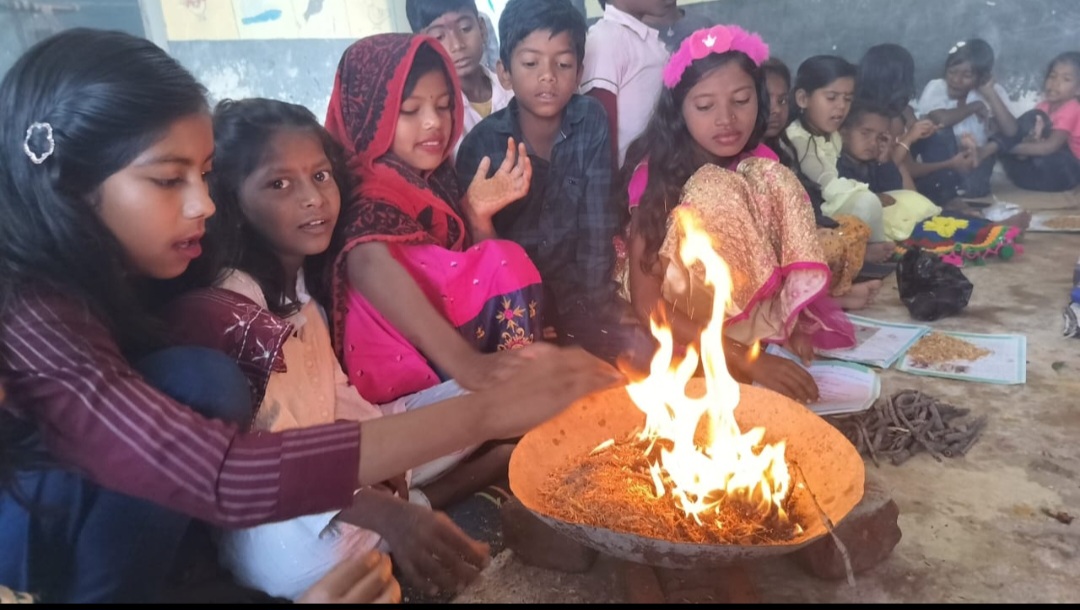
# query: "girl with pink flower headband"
702,151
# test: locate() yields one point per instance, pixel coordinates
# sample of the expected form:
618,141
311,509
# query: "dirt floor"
974,529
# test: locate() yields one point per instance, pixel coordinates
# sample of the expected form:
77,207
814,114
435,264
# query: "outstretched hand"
487,196
540,382
784,376
432,552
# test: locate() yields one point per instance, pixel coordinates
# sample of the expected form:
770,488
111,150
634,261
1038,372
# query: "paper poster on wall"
265,19
199,20
275,19
367,17
322,19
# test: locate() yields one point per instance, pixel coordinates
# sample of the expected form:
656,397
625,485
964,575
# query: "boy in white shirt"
624,67
457,25
972,107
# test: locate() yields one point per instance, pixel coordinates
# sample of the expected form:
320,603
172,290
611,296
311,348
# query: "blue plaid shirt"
567,221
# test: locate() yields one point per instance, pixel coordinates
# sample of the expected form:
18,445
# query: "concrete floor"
973,528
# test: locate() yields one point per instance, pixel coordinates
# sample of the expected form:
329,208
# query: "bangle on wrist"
903,144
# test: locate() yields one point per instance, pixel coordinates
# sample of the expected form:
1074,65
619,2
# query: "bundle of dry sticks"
902,425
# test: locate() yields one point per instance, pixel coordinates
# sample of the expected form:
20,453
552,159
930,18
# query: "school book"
877,343
998,359
843,387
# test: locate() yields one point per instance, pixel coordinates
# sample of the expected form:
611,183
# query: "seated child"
628,82
909,217
843,240
887,78
824,89
866,127
703,149
277,184
412,303
566,221
134,434
968,106
1042,156
461,30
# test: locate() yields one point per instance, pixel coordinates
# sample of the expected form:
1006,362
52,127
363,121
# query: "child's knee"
208,381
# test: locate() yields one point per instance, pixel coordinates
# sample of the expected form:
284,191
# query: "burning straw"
906,423
613,488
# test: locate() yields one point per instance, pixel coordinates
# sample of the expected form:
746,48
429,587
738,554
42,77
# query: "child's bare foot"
856,298
880,252
874,286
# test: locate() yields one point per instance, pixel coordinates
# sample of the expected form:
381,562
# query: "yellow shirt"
482,108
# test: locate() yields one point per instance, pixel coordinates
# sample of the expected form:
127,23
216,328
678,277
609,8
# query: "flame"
704,471
755,351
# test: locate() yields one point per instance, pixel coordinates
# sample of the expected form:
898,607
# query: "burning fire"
723,464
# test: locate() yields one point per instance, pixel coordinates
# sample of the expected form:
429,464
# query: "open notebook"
844,387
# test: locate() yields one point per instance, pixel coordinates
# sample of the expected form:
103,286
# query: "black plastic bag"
931,288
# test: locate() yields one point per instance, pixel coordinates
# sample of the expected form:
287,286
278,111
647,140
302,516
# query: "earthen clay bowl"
831,465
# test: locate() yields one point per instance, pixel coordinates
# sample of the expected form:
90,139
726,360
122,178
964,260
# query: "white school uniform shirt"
286,558
626,57
936,97
500,98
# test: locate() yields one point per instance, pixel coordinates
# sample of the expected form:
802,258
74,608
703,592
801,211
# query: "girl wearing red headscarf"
417,292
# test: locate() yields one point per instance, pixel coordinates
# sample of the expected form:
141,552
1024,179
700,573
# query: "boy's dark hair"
672,154
421,13
1069,57
887,76
979,53
521,18
861,108
242,130
108,96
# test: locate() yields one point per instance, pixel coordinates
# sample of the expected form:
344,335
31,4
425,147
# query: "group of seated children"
316,338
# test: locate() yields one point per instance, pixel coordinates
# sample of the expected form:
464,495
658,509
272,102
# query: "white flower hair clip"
46,130
957,47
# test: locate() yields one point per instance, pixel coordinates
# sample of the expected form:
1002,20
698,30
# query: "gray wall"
297,71
1025,34
21,28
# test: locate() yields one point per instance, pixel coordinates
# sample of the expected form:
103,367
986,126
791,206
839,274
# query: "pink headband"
717,39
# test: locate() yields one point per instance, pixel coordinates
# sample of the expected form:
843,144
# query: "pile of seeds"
1068,223
937,348
907,423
